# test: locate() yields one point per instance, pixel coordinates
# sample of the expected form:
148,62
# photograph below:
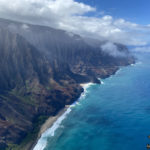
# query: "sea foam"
102,82
137,63
51,131
42,142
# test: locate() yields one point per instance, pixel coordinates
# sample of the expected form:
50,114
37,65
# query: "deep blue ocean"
112,116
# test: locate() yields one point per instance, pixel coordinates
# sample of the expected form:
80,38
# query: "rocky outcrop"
83,56
40,72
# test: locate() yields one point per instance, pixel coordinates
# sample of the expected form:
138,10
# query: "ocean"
114,115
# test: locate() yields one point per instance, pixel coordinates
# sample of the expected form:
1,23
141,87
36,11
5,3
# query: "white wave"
85,87
42,142
51,131
102,82
133,64
138,63
118,71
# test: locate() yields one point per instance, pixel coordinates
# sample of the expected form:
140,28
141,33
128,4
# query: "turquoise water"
114,115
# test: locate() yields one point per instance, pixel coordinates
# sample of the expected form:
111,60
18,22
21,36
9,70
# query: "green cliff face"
40,74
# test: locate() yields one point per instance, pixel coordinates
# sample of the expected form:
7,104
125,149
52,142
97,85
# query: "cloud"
72,16
111,49
145,49
25,27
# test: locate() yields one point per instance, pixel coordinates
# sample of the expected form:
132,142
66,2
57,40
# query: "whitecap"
137,63
85,87
102,82
118,71
42,142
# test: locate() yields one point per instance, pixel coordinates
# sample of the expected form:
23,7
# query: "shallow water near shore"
114,115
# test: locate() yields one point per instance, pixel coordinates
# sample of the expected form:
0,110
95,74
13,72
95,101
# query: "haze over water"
114,115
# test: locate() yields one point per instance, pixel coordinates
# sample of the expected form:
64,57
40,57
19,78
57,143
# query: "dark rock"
3,145
39,76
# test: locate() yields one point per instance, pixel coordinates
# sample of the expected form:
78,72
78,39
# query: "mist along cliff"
41,69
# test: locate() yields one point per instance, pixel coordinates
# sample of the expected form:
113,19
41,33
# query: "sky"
122,21
131,10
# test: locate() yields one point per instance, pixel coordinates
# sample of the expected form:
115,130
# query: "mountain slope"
27,88
40,72
68,48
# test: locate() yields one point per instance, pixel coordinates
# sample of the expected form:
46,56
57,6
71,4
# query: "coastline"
50,122
53,119
124,70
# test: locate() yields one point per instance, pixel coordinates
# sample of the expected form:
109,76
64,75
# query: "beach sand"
51,120
49,123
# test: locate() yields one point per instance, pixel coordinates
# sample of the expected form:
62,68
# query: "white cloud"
25,26
112,50
145,49
71,16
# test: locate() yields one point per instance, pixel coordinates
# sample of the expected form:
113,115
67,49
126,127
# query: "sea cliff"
41,70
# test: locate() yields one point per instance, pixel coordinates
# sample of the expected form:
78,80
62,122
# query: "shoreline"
50,121
53,119
48,124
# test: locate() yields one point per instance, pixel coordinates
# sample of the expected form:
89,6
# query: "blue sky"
132,10
120,21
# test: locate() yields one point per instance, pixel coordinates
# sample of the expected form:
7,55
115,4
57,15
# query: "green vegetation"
27,99
31,137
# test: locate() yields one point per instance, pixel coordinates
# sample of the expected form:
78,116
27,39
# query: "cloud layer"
72,16
145,49
112,50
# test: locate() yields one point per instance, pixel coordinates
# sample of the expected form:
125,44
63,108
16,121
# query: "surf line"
53,123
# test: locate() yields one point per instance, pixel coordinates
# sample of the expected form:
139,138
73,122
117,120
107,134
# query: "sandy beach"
51,120
49,123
